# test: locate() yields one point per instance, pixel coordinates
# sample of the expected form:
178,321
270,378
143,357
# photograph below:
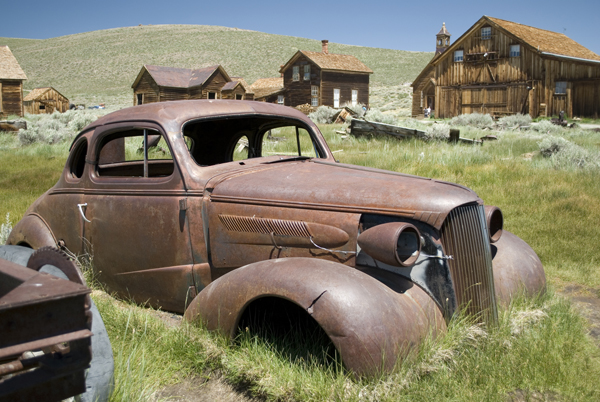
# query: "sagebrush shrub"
546,127
323,115
474,119
514,121
56,127
375,115
567,155
438,132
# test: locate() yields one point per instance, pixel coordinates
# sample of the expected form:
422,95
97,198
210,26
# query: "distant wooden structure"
45,100
501,68
161,84
237,89
268,90
11,84
323,78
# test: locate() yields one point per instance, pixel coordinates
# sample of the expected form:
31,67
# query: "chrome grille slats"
278,227
464,237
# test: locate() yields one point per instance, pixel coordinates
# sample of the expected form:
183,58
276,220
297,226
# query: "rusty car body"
242,204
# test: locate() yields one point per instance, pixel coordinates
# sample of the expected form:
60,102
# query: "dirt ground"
215,388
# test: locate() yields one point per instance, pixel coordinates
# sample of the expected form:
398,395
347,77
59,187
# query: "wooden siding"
299,92
148,88
423,89
11,98
47,103
489,80
214,84
345,82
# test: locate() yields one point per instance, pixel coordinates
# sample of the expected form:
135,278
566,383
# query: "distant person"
428,111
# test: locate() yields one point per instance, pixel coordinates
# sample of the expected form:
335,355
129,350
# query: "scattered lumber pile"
365,128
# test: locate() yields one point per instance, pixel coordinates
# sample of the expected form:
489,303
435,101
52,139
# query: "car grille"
465,238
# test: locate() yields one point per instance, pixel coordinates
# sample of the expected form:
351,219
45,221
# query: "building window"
296,73
307,72
336,97
486,33
314,93
515,50
280,99
212,95
239,96
561,88
458,56
354,97
140,99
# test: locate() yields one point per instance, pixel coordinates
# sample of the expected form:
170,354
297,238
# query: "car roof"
179,112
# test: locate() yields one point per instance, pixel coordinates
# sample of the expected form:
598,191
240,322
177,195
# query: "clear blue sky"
404,25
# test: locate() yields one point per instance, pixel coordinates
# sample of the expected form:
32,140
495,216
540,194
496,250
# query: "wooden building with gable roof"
45,100
268,90
502,67
11,84
238,89
161,84
323,78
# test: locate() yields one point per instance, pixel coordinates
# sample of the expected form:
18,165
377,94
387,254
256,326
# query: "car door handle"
80,206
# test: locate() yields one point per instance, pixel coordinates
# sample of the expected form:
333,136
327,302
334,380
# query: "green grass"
101,66
556,210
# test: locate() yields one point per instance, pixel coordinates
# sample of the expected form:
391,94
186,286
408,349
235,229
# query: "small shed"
268,90
45,100
11,84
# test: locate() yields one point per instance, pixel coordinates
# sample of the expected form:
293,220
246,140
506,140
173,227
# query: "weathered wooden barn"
502,67
268,90
11,84
161,84
322,78
45,100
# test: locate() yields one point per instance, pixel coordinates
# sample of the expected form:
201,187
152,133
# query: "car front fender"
517,268
32,231
370,324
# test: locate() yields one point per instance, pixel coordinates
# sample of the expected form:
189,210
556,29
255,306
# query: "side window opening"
78,161
135,153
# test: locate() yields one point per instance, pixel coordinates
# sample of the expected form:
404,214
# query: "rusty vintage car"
216,208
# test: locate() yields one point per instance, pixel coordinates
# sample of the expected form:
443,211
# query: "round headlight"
393,243
495,222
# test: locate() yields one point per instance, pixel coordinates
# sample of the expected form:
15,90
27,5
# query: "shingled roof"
179,77
9,67
545,41
266,86
37,92
332,62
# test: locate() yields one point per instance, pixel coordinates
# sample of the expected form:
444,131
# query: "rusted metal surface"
45,343
160,235
370,324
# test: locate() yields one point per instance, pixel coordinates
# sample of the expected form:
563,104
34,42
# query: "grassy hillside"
93,65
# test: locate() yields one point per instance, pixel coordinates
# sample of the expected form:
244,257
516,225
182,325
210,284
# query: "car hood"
324,185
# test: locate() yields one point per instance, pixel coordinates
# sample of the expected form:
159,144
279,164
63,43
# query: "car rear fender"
32,231
370,324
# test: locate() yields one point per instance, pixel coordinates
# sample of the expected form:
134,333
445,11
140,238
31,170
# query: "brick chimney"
324,43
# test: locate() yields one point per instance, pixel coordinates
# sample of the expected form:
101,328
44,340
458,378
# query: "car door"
135,215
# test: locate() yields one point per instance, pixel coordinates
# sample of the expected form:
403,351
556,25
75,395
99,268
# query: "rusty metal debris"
45,324
247,208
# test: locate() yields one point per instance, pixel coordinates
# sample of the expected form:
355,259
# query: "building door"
336,97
